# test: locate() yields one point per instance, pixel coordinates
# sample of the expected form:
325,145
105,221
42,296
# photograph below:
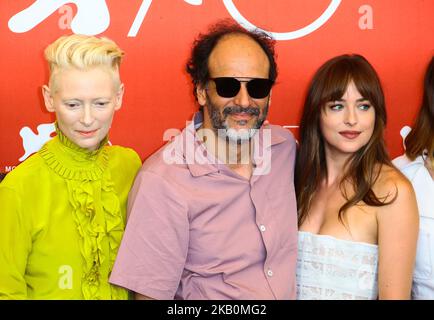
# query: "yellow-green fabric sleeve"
15,245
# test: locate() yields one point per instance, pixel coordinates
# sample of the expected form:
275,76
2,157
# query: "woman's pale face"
84,103
348,123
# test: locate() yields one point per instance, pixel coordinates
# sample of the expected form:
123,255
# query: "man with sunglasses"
212,215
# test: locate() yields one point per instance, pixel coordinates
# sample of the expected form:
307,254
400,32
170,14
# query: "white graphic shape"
93,17
33,142
194,2
291,35
404,133
144,7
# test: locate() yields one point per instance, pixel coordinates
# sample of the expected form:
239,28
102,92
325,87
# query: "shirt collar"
209,164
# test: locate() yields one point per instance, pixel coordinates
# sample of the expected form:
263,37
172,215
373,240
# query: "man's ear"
119,96
201,94
48,99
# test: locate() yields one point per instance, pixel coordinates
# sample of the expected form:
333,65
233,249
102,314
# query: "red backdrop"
396,36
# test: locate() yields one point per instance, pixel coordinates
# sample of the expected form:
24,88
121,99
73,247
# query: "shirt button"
262,228
270,272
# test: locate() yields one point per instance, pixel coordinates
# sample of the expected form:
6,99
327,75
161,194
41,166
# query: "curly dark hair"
197,65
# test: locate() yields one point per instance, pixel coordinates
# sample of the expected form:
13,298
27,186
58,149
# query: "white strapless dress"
333,269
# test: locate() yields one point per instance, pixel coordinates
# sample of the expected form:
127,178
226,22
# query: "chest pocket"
425,245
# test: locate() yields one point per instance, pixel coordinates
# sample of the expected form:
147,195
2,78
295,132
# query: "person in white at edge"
418,165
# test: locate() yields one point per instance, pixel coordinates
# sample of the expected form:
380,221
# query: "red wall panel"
396,36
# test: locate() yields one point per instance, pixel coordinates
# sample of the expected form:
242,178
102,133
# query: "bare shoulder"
392,186
392,183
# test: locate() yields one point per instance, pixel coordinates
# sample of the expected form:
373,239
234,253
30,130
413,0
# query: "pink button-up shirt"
198,230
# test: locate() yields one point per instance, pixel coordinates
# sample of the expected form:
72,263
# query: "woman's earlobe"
48,99
119,96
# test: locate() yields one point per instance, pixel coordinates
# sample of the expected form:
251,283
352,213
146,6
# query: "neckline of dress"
374,246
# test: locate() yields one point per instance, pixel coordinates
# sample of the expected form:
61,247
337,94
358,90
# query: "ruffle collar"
73,162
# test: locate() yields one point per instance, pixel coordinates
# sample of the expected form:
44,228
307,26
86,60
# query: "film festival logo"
93,17
258,147
33,142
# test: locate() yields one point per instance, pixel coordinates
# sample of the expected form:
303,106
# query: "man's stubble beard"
221,126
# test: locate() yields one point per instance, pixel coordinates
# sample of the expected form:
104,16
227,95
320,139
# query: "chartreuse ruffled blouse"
62,216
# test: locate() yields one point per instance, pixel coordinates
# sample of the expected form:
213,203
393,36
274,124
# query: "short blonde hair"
83,52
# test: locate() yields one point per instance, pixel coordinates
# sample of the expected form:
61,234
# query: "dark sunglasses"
228,87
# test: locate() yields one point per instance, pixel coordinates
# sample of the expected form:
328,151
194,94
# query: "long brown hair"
421,137
329,84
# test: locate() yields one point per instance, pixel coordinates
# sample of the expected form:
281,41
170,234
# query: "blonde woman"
62,211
